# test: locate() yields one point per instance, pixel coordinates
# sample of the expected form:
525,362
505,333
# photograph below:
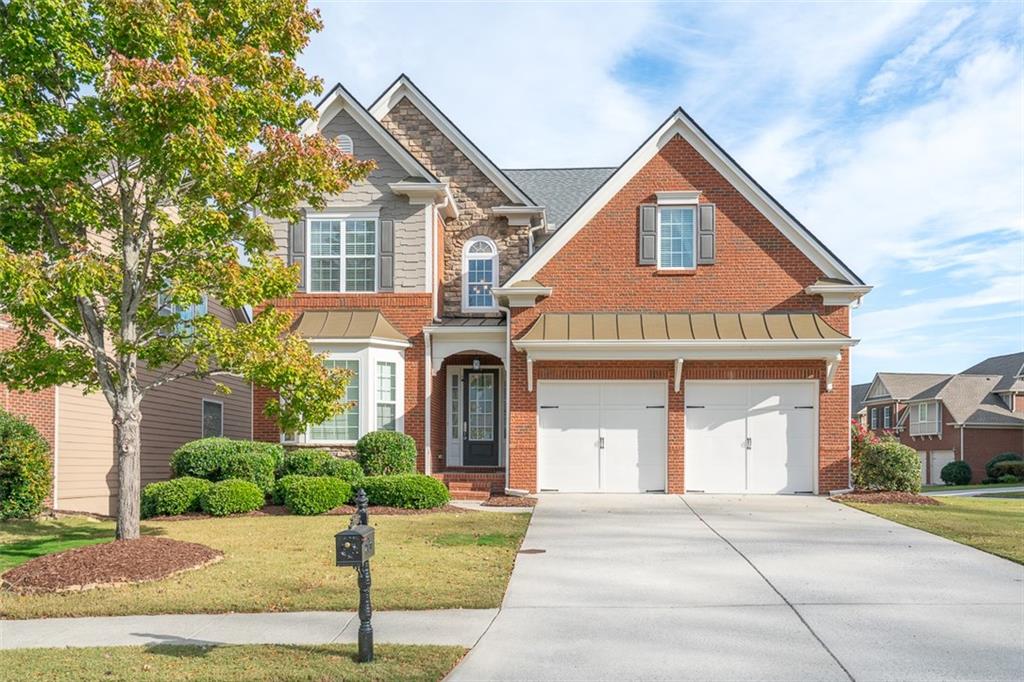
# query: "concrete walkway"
747,588
973,492
461,627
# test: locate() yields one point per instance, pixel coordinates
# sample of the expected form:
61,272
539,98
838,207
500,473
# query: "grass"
969,486
286,563
259,662
991,525
48,536
1005,496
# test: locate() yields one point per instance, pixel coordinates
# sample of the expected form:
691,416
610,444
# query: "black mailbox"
353,547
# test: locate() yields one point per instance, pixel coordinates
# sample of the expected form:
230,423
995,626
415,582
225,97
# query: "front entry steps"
472,485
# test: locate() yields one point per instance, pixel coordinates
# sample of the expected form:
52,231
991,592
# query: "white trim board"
680,123
404,88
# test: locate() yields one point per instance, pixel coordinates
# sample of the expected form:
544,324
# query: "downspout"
428,465
963,455
543,226
508,388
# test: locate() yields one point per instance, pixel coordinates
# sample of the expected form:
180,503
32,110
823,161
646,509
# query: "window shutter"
386,256
705,234
297,249
648,236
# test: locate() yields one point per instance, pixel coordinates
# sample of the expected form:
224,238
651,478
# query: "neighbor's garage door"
756,437
601,436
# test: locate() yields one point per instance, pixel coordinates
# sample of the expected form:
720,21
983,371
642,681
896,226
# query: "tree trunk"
127,430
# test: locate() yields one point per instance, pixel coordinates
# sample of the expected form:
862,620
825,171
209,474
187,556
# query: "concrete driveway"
656,587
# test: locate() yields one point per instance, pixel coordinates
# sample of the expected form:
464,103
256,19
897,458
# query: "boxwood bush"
1009,468
173,497
889,465
310,495
231,496
218,459
990,467
383,453
282,485
410,491
305,462
347,470
956,473
25,473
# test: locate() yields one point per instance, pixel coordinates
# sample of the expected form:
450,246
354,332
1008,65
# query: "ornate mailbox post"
354,547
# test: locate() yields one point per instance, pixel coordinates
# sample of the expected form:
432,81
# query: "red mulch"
509,501
109,564
344,510
885,497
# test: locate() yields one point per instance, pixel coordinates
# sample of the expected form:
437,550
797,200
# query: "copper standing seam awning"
348,326
683,336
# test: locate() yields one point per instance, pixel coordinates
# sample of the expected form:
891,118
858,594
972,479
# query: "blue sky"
894,131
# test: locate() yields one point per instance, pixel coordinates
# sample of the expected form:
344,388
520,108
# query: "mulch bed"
885,497
509,501
109,564
345,510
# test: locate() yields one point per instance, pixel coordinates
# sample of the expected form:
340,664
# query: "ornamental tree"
142,143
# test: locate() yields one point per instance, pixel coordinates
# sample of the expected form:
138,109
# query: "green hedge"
956,473
173,497
990,467
889,465
25,470
218,459
232,496
311,495
411,491
347,470
282,486
1009,468
305,462
383,453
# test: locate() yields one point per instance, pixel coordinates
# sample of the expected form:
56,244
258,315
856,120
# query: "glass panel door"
481,407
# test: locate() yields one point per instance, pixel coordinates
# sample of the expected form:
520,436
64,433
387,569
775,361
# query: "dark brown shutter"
387,255
705,234
297,248
648,236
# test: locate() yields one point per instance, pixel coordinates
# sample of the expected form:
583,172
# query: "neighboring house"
664,325
857,410
79,430
970,416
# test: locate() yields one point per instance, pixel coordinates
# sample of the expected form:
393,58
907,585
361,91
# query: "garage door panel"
567,395
715,458
634,444
780,451
940,458
629,395
567,449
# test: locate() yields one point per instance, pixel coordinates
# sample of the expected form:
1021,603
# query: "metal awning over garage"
683,336
348,326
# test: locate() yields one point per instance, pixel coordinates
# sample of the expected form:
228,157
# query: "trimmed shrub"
305,462
25,471
173,497
410,491
347,470
1008,468
311,495
889,465
956,473
1009,478
990,467
384,453
218,459
231,496
282,486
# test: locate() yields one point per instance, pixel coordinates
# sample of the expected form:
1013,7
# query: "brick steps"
472,485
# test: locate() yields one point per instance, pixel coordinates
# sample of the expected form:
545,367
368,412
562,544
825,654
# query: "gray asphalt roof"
905,386
560,190
1006,366
857,395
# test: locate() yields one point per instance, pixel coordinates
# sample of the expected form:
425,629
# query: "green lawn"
261,662
990,524
48,536
970,486
286,563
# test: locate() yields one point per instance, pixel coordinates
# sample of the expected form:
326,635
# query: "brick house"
971,416
664,325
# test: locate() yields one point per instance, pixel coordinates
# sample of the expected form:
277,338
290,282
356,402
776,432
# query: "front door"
480,427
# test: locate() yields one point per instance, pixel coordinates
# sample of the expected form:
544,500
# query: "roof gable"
680,124
404,88
339,99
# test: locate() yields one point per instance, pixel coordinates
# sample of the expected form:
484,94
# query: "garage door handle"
695,407
549,407
600,442
804,407
749,443
655,407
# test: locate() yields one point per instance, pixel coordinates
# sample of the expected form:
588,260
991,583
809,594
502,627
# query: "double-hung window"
213,418
479,273
387,395
342,254
677,237
342,427
887,417
874,418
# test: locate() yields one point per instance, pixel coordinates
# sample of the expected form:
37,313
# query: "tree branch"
192,374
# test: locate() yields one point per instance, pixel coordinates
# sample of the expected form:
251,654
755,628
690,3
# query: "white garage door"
601,436
940,458
750,437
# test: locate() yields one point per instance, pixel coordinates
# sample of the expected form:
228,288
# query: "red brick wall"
981,445
408,312
757,269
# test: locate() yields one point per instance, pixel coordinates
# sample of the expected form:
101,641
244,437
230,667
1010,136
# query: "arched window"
345,142
479,273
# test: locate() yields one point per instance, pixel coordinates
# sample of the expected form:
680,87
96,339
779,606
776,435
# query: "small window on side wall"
213,419
479,274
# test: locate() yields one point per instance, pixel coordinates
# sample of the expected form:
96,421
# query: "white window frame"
377,400
202,418
887,417
692,206
466,257
926,426
367,356
343,258
874,418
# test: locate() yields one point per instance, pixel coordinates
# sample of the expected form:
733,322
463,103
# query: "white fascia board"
339,99
370,341
403,87
476,332
680,124
821,349
838,294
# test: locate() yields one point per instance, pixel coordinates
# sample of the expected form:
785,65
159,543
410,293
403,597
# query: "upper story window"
924,419
677,237
342,254
479,274
345,142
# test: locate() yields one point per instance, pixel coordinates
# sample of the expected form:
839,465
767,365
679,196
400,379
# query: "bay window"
386,396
